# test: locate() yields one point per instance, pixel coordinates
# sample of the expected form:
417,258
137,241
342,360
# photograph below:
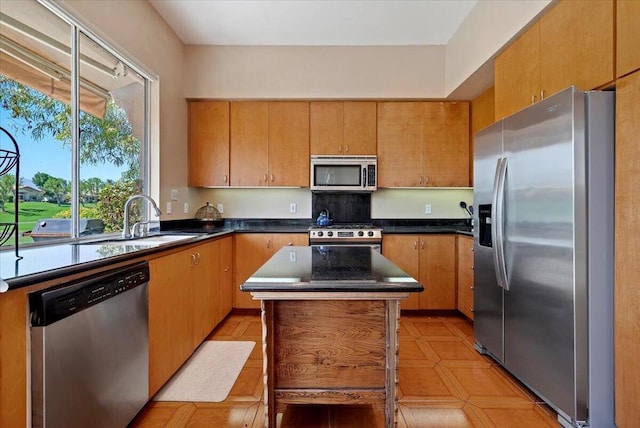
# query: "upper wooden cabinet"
570,45
343,127
423,144
269,143
289,143
249,143
628,36
627,250
482,115
208,143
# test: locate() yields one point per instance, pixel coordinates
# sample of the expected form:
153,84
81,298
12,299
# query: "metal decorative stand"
8,160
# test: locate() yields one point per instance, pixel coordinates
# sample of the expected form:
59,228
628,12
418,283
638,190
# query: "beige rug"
209,374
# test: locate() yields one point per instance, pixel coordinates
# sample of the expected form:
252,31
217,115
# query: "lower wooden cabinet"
226,276
189,294
465,275
431,259
251,251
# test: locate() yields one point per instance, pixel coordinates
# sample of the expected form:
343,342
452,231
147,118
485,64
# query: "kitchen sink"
147,241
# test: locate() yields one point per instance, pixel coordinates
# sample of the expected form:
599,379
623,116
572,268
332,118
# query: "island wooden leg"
268,332
393,324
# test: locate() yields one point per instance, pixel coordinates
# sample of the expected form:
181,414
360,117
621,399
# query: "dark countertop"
43,263
330,268
47,262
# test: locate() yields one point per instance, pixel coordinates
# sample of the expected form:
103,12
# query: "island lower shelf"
337,348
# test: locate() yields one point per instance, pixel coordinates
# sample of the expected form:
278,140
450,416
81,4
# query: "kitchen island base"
330,348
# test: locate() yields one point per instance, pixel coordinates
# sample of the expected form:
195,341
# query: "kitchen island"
330,327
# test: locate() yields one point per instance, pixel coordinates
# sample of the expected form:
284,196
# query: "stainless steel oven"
347,234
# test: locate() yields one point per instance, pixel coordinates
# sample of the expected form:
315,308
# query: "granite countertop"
46,262
337,268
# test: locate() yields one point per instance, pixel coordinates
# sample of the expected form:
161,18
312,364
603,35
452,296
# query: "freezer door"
541,190
487,305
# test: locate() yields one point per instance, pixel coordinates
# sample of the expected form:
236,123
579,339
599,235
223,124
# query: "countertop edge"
52,274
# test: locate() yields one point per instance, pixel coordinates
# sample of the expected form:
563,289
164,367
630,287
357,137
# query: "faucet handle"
140,229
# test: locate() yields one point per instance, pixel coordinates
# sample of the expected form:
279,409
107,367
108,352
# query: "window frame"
77,29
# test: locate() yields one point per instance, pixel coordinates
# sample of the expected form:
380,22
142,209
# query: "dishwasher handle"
54,304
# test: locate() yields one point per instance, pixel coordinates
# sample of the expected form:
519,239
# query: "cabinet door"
446,144
576,45
438,271
327,127
280,240
289,143
225,252
249,143
482,113
360,128
628,36
517,74
205,277
403,251
465,275
400,141
170,320
627,250
208,143
251,251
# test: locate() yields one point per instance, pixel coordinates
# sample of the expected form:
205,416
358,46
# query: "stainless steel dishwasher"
90,350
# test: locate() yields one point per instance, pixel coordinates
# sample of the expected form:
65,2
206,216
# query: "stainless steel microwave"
344,173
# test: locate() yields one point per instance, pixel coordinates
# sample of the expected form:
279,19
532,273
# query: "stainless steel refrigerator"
543,250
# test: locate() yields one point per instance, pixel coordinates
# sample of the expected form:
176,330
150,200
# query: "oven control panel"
346,234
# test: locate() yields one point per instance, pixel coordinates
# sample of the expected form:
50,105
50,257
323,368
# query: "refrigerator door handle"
497,225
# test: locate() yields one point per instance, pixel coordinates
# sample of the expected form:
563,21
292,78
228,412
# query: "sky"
49,156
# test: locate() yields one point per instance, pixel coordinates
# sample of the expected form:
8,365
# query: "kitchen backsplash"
385,203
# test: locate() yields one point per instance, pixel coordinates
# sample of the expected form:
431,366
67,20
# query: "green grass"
28,214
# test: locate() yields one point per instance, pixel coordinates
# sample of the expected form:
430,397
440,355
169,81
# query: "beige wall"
490,25
314,72
135,28
321,72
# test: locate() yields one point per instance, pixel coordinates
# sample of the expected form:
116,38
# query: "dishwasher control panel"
51,305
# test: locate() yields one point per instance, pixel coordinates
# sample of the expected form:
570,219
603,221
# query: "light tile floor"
444,383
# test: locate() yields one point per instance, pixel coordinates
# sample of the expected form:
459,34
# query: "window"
82,151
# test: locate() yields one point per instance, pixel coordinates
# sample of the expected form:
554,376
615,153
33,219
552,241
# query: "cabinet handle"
421,180
471,310
193,260
268,243
542,95
533,99
426,180
340,148
289,244
226,178
226,269
272,178
422,245
265,178
198,258
346,148
471,288
415,245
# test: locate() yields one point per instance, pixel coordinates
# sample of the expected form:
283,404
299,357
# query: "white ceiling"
314,22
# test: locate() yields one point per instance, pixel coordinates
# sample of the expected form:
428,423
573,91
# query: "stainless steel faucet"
126,229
